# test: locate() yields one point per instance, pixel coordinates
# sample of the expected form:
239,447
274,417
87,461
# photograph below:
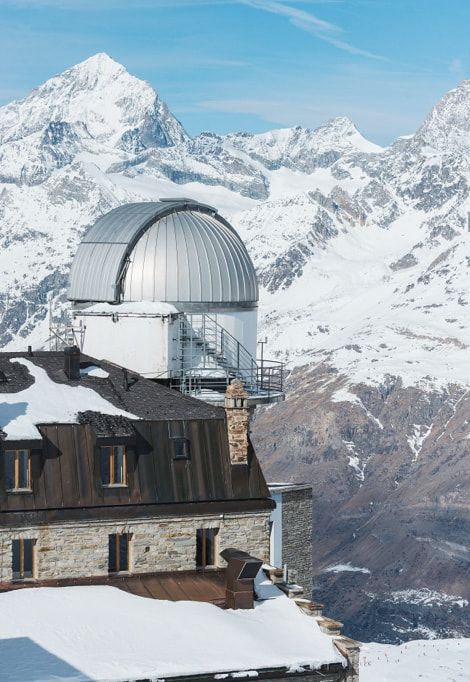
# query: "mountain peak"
447,127
100,58
99,65
99,95
341,123
342,132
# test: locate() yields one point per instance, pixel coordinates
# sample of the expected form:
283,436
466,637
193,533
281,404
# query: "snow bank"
102,633
46,402
418,661
341,568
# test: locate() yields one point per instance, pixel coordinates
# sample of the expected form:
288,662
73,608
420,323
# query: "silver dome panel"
174,251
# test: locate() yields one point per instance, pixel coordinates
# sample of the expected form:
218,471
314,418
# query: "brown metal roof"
202,586
65,465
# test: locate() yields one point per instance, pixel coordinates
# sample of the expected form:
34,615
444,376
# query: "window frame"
186,447
21,577
16,470
117,553
203,533
111,465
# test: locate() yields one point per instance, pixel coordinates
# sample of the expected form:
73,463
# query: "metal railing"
210,357
270,376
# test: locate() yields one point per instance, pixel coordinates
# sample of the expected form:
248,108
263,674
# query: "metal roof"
200,586
173,250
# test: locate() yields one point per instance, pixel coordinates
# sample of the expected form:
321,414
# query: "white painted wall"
275,548
242,324
142,344
146,343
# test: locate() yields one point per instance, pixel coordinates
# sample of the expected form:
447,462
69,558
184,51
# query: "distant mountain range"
363,255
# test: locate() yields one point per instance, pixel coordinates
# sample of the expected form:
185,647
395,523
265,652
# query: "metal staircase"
210,357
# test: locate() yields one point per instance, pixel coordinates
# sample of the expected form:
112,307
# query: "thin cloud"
306,21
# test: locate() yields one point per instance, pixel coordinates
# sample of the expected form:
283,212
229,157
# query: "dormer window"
181,445
18,470
113,465
181,448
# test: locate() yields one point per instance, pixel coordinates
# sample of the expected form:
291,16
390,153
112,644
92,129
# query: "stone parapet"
351,650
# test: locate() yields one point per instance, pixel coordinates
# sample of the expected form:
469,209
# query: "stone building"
109,476
104,471
113,480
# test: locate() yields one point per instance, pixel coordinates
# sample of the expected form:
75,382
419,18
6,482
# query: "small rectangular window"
118,557
181,448
113,465
18,470
23,559
206,550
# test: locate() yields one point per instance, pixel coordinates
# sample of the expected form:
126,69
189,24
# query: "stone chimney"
238,418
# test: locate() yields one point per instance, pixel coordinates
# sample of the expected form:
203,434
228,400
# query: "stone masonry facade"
80,549
297,536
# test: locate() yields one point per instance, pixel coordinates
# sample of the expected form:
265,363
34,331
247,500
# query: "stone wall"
297,536
80,549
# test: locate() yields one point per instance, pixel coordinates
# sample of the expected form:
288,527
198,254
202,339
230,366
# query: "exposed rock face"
390,472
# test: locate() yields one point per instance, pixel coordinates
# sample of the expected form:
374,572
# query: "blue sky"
254,64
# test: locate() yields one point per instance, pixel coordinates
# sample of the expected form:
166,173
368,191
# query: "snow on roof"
102,633
131,307
45,402
94,371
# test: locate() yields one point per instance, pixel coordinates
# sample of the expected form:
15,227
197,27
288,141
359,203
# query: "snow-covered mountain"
363,255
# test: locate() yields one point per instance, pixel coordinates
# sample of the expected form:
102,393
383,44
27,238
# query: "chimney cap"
245,566
242,569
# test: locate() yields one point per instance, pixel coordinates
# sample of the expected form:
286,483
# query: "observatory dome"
176,250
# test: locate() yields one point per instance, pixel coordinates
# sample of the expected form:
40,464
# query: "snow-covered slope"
419,661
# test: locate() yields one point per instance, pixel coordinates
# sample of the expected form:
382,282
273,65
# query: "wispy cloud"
297,16
306,21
